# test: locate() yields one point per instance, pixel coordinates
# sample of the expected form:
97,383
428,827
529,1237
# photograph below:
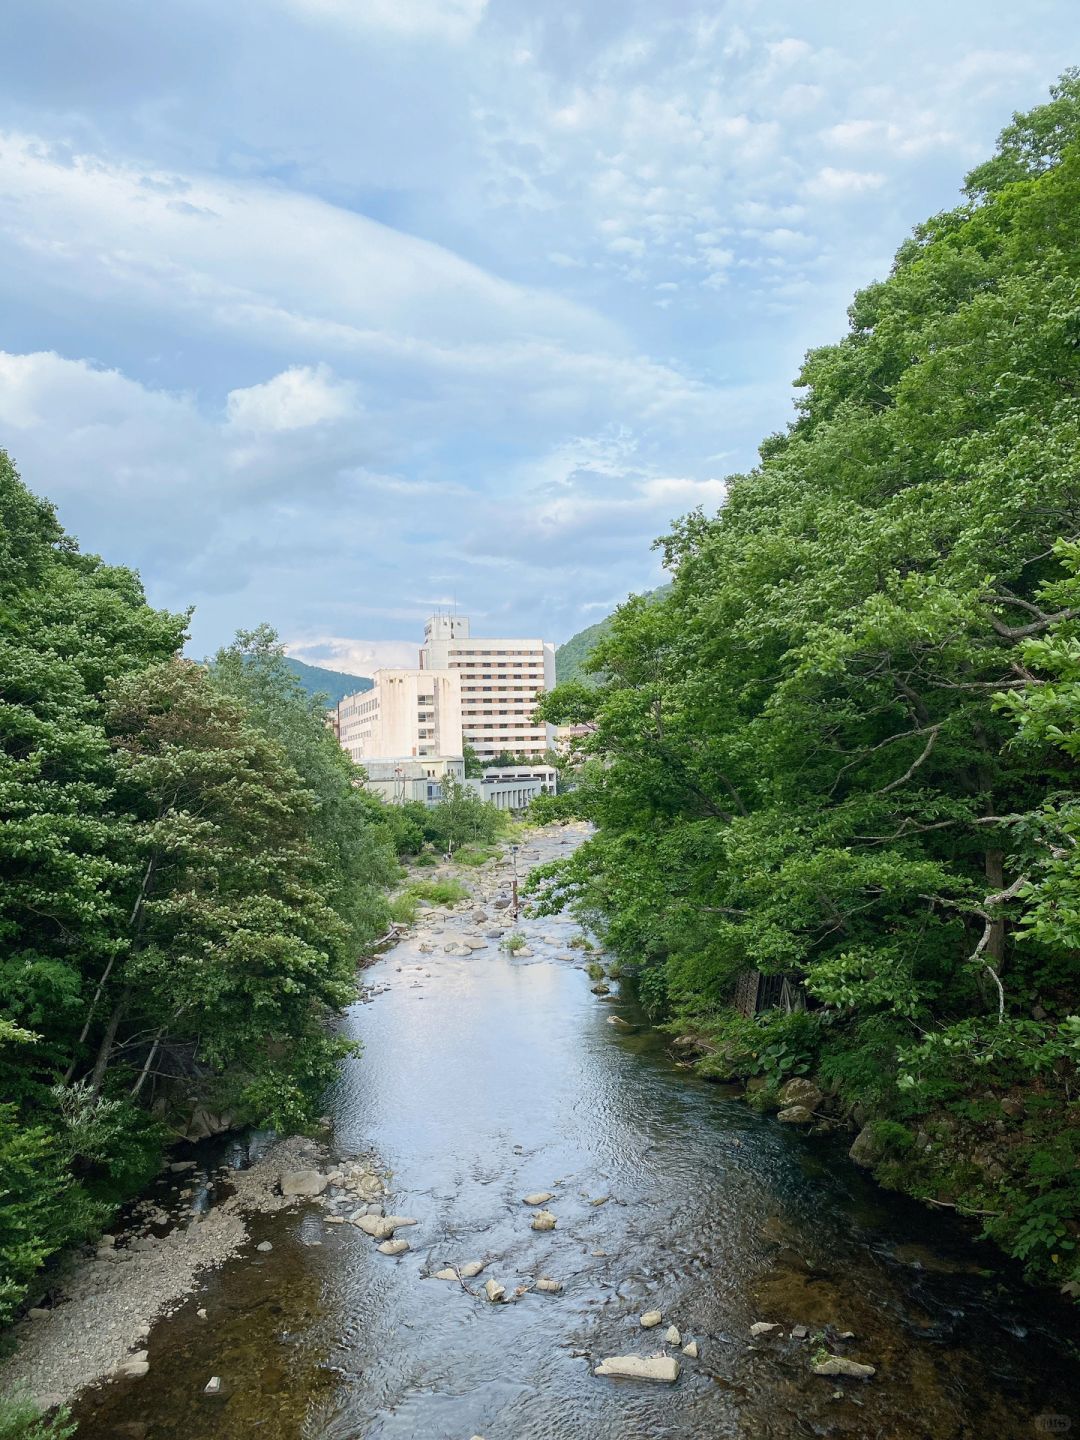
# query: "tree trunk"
108,1040
995,874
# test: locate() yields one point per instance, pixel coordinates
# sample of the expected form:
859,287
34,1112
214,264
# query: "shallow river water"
499,1076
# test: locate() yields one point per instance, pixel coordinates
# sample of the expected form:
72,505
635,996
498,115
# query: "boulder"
800,1091
549,1287
446,1274
865,1148
393,1247
672,1336
467,1272
690,1349
400,1222
796,1115
37,1313
302,1182
544,1220
264,1247
662,1368
374,1225
841,1365
762,1327
651,1319
494,1291
538,1197
134,1368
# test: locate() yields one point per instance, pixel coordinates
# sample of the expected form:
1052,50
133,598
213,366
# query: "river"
494,1076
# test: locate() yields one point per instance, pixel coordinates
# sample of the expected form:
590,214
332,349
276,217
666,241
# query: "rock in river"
302,1182
664,1368
672,1336
393,1247
762,1327
377,1226
538,1197
651,1318
494,1291
544,1220
841,1365
472,1268
690,1349
550,1287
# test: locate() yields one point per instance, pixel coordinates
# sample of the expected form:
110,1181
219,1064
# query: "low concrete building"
515,787
409,777
545,776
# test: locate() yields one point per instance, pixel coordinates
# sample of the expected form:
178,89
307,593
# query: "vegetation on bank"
843,748
189,873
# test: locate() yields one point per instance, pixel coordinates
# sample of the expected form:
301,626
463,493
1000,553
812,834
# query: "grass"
594,970
581,942
475,854
403,909
426,860
438,892
514,942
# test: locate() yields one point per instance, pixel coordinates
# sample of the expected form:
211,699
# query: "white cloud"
300,396
445,19
360,657
830,182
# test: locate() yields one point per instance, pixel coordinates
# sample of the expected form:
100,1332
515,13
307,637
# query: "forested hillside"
333,685
187,876
571,657
844,748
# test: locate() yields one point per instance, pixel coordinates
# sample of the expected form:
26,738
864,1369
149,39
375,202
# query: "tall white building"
406,714
501,681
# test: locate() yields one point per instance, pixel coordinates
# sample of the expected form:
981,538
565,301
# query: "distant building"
406,777
501,681
406,713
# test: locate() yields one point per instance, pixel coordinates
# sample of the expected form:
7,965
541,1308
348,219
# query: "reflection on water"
497,1077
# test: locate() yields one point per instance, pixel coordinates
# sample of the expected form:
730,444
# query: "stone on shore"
134,1368
796,1115
302,1183
763,1327
800,1091
663,1368
539,1197
651,1319
841,1365
544,1220
393,1247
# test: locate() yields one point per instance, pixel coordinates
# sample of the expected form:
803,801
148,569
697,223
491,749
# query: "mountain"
334,684
571,656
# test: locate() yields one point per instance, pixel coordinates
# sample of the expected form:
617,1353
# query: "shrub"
20,1419
438,892
513,943
403,909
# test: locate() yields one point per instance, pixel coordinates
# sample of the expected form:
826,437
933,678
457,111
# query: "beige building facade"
500,682
406,714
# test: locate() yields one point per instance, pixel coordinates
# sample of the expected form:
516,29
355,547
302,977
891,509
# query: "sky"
330,313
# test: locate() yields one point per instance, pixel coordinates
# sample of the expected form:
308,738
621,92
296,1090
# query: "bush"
20,1419
403,909
438,892
513,943
475,854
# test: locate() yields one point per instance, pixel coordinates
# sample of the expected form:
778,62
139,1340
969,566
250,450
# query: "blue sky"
328,312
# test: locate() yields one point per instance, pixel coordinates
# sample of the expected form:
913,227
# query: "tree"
842,749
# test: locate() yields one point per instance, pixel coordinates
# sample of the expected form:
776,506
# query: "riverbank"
197,1215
